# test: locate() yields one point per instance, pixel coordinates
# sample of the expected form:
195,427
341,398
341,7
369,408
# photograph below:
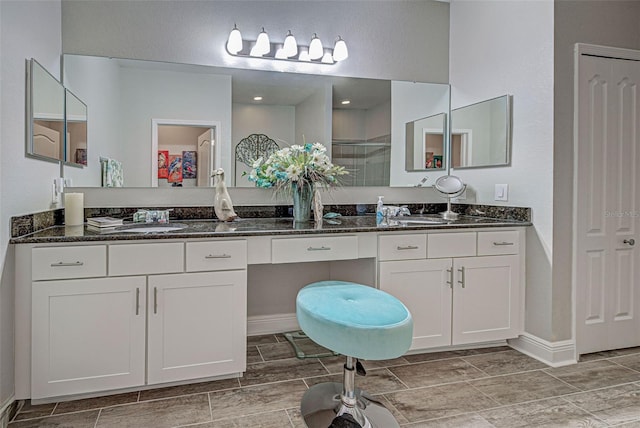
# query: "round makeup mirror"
450,187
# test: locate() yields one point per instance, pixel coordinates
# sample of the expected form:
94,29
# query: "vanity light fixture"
289,50
234,44
262,46
340,51
304,56
327,58
315,48
290,47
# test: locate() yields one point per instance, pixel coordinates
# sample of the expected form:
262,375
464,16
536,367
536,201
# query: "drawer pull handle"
218,256
323,248
461,281
408,247
60,264
137,301
155,300
502,243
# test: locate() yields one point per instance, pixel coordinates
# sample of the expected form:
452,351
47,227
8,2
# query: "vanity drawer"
499,242
316,249
402,247
68,262
451,245
216,255
141,259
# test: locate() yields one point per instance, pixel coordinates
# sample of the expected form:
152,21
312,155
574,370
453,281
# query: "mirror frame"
508,132
29,110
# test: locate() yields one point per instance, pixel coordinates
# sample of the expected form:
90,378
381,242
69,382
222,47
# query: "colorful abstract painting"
175,169
163,163
189,164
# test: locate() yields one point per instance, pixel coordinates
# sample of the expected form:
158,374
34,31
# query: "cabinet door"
424,287
197,325
486,295
87,335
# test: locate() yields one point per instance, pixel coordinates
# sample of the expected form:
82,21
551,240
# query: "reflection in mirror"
481,134
76,125
411,101
46,114
361,130
425,143
294,108
186,153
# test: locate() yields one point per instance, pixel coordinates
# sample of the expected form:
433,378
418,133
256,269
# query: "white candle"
73,209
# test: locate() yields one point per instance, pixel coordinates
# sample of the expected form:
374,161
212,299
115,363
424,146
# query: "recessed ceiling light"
345,102
258,98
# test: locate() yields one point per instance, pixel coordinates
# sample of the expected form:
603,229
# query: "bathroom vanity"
124,311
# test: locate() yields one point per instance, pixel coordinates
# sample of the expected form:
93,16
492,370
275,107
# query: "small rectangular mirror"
481,134
425,146
76,126
45,114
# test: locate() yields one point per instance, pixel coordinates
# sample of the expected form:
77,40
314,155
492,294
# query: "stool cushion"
354,320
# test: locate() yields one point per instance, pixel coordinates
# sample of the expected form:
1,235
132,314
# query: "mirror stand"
450,187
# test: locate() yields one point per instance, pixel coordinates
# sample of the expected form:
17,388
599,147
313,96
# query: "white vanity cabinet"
88,335
197,325
113,316
457,291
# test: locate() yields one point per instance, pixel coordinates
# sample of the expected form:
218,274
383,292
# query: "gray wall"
27,29
406,40
609,23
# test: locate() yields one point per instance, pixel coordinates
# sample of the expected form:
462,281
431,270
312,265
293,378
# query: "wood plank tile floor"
488,387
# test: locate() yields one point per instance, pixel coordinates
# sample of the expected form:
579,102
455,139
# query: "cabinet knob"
631,242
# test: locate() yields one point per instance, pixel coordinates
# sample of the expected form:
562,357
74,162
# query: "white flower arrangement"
296,165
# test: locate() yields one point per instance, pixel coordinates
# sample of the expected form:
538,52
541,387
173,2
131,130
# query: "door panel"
423,286
606,274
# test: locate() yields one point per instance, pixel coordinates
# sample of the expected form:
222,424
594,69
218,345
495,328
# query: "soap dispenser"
380,211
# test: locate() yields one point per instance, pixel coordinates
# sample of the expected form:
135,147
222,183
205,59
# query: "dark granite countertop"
258,227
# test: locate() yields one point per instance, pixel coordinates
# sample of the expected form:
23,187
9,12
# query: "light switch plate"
501,192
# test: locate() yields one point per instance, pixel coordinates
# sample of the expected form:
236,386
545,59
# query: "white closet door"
606,204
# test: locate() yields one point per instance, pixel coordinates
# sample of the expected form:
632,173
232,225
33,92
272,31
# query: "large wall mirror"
481,134
45,108
361,121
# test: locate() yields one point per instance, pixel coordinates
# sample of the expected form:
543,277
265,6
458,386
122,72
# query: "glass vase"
302,198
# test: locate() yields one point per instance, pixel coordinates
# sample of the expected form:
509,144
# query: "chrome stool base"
322,402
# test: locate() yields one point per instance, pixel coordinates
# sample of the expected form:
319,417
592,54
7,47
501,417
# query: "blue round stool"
357,321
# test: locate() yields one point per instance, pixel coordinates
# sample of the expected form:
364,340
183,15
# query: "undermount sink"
158,228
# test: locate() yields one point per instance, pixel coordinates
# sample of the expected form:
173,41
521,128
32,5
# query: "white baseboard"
5,411
271,324
554,354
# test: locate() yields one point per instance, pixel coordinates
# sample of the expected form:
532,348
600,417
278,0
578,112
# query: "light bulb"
255,51
280,54
234,44
315,48
263,46
304,56
340,51
327,58
290,46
